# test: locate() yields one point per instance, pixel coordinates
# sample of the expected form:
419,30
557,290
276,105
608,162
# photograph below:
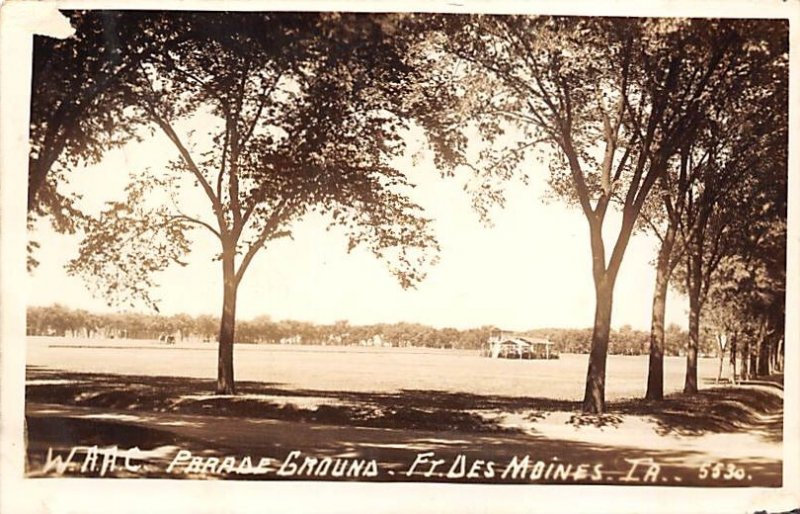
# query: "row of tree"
57,320
678,126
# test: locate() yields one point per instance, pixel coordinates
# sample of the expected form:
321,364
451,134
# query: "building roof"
523,341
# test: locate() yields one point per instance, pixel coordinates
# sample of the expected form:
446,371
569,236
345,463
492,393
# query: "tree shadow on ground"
719,410
172,413
514,457
422,409
62,430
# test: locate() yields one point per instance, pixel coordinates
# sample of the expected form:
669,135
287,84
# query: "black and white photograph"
475,251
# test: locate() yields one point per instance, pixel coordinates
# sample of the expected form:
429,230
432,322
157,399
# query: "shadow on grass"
514,456
718,410
419,409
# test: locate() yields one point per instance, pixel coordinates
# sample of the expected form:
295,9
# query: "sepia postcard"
399,257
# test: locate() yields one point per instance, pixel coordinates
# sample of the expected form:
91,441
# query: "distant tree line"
61,321
58,320
623,341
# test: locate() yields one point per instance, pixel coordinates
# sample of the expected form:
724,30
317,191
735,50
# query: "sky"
530,269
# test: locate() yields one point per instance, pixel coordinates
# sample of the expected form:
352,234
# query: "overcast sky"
531,269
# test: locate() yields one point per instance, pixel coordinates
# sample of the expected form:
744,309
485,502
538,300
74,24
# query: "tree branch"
269,231
189,219
236,145
265,94
168,130
577,176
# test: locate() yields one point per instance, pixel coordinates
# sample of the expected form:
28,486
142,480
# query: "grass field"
360,369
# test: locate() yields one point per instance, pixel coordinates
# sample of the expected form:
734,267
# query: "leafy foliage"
729,201
79,106
128,244
294,110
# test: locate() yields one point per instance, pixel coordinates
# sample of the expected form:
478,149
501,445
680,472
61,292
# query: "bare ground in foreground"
724,436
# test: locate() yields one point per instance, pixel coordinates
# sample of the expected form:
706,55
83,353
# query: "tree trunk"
762,366
694,277
37,172
764,356
745,359
594,396
752,359
773,355
655,376
721,355
756,349
690,383
779,354
773,351
732,344
225,377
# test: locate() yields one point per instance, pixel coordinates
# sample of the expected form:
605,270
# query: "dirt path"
552,447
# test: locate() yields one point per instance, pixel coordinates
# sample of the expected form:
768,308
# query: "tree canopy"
78,101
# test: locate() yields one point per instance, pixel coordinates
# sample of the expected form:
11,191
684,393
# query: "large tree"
610,101
288,115
733,141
